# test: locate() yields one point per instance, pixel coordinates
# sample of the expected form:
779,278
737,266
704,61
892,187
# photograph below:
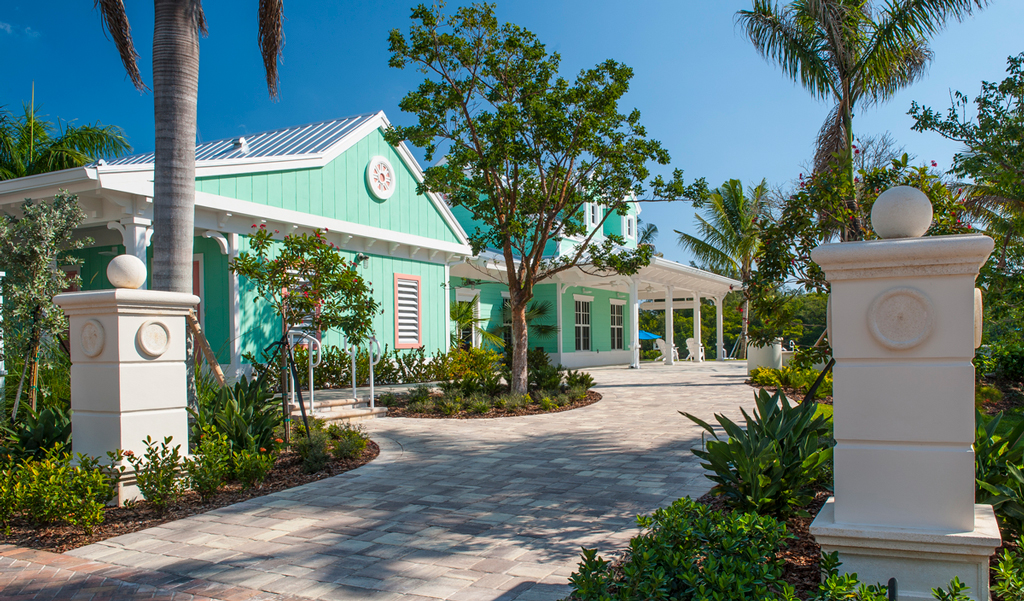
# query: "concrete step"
350,415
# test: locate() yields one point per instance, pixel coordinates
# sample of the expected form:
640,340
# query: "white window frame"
583,339
595,213
419,312
621,327
629,227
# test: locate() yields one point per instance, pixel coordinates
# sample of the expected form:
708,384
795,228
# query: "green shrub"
1010,576
997,471
420,407
479,406
562,400
574,379
490,383
765,376
246,413
800,379
448,406
210,465
57,488
450,387
1009,362
688,551
156,473
38,433
251,467
984,395
312,449
577,394
513,401
547,403
419,393
769,466
387,399
469,385
349,441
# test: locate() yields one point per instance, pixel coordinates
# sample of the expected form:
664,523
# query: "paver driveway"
479,510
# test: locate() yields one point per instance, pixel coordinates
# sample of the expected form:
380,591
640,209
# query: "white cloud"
6,27
31,33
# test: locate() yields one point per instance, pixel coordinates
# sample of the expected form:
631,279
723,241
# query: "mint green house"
342,177
339,176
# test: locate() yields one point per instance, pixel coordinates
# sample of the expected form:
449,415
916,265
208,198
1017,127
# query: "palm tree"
647,234
30,145
177,25
729,235
852,53
465,318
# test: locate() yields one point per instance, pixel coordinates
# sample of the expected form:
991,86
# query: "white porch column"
229,246
696,323
634,321
135,235
670,329
720,355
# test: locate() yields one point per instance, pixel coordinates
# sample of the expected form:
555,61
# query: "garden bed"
400,408
793,394
286,473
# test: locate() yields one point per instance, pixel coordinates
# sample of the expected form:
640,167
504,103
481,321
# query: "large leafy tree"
177,25
850,52
729,235
528,151
30,145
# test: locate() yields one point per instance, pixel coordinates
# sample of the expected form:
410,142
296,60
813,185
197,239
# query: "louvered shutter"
407,311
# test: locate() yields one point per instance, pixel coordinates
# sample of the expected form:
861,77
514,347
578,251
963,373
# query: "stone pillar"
696,326
670,325
902,328
719,334
127,365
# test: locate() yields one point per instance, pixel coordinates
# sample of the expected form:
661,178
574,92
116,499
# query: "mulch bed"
287,473
1012,401
793,394
531,409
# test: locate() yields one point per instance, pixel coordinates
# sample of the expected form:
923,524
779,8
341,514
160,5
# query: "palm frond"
831,139
115,20
271,39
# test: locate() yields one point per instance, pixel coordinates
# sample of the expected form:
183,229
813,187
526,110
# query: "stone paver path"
478,510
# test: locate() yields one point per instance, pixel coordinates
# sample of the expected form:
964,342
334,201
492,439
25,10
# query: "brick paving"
474,510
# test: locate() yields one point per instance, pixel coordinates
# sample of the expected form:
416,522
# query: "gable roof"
299,140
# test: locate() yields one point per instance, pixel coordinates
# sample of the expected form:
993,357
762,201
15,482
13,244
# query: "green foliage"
251,466
449,406
547,403
770,465
1009,362
513,401
210,465
246,413
388,399
998,461
313,449
307,279
577,393
156,473
54,488
688,551
348,441
479,406
798,379
420,393
984,395
582,379
420,407
1009,574
38,433
541,374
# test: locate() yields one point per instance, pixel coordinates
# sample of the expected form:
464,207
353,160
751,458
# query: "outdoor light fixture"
361,258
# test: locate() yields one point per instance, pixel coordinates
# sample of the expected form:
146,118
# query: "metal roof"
313,138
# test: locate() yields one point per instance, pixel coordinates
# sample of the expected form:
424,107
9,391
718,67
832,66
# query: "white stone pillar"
719,334
902,328
634,321
127,366
696,325
670,329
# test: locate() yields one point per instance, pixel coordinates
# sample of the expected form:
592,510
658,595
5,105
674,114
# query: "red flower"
276,232
130,453
262,450
254,225
934,164
278,440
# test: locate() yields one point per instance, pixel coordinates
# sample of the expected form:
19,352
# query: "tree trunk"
33,374
853,230
743,334
175,92
520,346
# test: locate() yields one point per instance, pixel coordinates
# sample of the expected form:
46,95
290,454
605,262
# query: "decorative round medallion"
979,317
901,318
92,338
380,177
153,338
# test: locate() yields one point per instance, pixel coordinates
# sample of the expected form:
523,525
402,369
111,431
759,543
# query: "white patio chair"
663,349
696,351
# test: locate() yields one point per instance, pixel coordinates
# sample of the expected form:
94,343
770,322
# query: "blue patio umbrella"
648,336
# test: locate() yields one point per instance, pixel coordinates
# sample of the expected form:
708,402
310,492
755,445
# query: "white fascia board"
74,179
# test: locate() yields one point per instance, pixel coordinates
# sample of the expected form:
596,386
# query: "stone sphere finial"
901,212
126,271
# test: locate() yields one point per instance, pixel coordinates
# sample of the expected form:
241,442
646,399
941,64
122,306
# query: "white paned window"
595,213
617,337
582,325
630,232
408,324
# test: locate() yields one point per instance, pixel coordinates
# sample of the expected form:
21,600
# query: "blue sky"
721,110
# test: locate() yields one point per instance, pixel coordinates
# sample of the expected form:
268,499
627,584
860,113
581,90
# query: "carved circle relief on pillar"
153,338
92,338
901,318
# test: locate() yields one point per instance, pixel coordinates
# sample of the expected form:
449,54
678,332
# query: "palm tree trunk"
854,230
520,382
175,92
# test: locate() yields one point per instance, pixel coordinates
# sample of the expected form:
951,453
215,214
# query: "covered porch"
649,289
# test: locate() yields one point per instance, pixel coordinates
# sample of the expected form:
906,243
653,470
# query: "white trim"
583,297
505,294
202,288
616,301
